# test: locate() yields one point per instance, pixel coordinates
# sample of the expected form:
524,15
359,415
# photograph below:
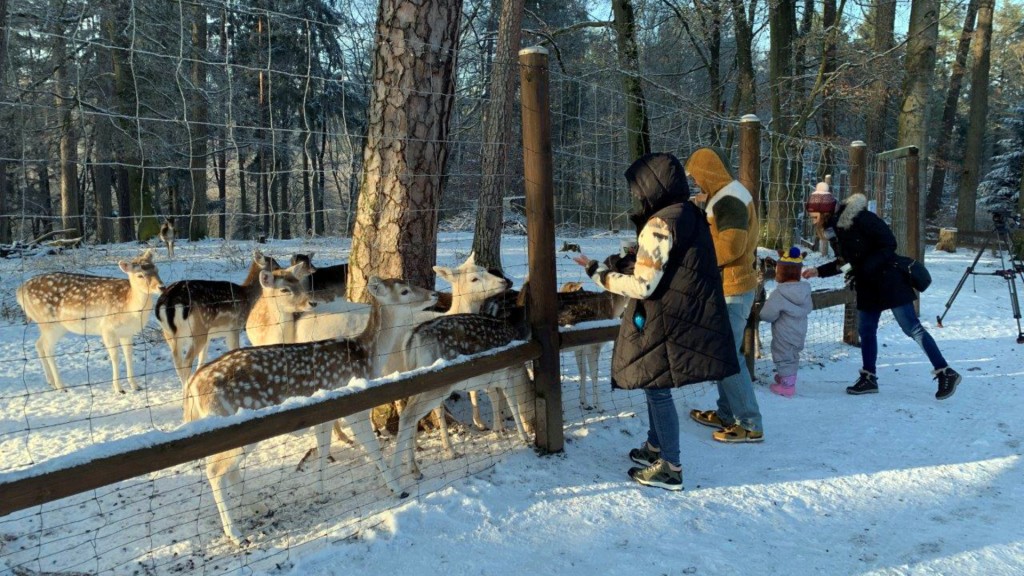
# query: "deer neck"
463,305
138,298
384,333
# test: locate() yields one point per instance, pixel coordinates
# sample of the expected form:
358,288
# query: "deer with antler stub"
115,309
192,312
254,378
167,236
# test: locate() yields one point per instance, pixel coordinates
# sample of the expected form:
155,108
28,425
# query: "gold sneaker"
737,434
707,418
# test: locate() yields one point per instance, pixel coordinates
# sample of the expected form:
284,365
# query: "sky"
893,483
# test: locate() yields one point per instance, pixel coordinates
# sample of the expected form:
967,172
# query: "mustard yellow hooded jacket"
733,219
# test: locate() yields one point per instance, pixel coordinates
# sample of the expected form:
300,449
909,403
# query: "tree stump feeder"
947,240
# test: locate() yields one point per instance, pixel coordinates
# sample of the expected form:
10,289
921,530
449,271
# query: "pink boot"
784,385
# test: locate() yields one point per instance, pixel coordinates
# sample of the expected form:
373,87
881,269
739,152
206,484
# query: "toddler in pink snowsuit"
787,308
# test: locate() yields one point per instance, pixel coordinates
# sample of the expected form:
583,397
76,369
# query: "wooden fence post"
914,247
750,177
858,179
540,233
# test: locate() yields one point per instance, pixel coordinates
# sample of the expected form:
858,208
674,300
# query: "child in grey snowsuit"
787,308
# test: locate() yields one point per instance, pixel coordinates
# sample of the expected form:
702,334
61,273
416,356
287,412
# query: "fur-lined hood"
851,207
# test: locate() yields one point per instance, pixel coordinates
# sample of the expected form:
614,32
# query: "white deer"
446,338
471,286
192,312
115,309
264,376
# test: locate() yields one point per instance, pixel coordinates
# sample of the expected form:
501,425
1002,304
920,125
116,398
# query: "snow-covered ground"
893,483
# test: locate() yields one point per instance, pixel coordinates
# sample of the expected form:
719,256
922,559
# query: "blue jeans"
664,430
736,400
907,319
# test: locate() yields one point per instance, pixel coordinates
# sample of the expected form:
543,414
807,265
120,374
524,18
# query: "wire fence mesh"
281,135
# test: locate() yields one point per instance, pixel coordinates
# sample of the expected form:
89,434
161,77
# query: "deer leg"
362,431
126,347
232,339
222,471
442,425
477,420
323,448
593,354
494,396
404,459
513,406
46,348
111,344
581,367
174,343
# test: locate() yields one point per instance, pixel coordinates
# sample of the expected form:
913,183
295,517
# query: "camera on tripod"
1001,221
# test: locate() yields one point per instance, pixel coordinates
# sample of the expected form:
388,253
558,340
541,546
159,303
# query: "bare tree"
497,135
68,147
198,125
5,223
638,127
878,94
922,37
407,142
956,77
967,193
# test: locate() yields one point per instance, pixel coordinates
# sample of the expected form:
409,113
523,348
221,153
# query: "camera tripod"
1000,238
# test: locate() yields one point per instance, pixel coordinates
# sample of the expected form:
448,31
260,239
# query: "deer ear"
258,258
267,279
471,261
125,267
301,270
444,272
374,285
147,255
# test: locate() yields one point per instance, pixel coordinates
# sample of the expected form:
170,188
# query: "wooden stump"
947,240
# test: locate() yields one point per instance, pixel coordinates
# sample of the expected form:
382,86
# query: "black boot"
948,380
866,384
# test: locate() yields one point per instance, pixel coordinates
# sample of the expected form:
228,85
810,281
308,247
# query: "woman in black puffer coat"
865,250
675,329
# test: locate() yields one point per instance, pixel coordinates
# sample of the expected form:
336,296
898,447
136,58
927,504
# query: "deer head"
471,283
285,287
142,273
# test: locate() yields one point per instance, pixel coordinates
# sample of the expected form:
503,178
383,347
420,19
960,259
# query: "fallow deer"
112,308
167,236
192,312
577,305
264,376
272,318
445,338
326,283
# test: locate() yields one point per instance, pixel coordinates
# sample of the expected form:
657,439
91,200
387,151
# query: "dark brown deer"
254,378
191,312
115,309
326,283
576,305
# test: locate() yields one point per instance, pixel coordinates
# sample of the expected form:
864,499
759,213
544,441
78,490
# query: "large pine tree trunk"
922,37
956,76
198,127
5,223
878,95
967,193
498,136
407,142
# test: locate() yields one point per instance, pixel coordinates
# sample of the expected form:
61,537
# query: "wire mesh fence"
257,138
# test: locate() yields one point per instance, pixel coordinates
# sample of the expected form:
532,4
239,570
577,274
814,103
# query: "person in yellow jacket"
732,215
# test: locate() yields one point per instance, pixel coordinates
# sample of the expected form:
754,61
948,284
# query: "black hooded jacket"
684,336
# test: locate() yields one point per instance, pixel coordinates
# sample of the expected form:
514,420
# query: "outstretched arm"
654,244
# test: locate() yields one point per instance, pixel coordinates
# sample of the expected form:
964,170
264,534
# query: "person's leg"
907,318
736,400
664,424
867,328
652,433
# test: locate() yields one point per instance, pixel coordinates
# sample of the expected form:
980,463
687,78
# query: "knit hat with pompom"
789,266
821,200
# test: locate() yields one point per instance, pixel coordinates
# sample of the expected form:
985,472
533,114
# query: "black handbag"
915,272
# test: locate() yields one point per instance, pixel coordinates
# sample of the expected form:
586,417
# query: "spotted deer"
167,236
192,312
577,305
446,338
254,378
116,309
326,283
283,294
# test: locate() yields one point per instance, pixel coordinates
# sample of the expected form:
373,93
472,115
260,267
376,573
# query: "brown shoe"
737,434
707,418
